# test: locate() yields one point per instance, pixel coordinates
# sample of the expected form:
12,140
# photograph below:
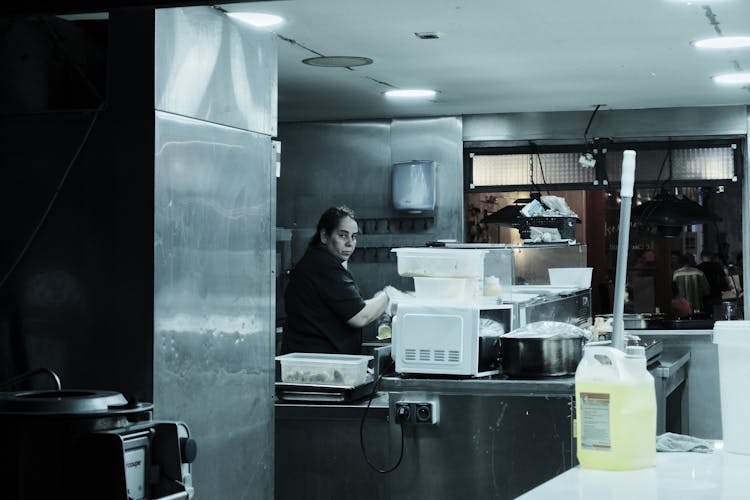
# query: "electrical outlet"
416,412
426,413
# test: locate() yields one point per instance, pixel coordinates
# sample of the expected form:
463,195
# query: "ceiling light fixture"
723,42
410,93
337,61
669,213
733,78
257,19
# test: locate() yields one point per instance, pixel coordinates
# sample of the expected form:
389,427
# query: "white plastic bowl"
578,277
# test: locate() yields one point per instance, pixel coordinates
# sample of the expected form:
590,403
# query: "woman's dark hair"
329,221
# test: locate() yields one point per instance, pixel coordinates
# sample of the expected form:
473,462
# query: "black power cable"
585,132
52,200
58,41
362,436
531,172
587,157
541,169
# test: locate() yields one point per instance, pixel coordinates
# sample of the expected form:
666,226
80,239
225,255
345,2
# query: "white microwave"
439,338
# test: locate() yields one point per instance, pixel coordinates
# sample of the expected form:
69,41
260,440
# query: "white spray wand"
623,245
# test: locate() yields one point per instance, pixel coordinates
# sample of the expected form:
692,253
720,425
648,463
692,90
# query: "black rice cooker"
88,444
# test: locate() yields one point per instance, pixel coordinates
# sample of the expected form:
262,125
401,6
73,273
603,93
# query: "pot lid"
71,402
546,330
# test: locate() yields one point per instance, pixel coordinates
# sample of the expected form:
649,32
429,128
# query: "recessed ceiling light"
410,93
338,61
733,78
723,42
257,19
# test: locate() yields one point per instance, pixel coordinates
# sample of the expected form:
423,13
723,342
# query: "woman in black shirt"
325,309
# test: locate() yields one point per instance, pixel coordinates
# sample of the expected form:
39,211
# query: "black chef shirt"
319,299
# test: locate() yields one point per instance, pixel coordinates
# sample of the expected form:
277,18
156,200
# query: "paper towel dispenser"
414,186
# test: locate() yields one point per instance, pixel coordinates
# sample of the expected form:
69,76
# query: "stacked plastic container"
733,341
442,274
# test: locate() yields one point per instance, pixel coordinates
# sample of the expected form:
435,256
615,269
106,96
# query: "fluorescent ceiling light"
723,42
410,93
736,78
257,19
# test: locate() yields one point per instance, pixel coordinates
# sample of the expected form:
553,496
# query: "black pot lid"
669,210
71,402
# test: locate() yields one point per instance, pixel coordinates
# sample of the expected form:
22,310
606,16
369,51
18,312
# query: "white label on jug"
595,421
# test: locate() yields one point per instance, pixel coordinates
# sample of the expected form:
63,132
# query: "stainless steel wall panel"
213,68
213,300
437,139
746,211
623,124
331,163
326,164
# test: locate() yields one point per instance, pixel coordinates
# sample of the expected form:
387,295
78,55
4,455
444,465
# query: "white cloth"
394,296
670,441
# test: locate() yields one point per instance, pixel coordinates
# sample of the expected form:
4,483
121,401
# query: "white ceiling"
499,56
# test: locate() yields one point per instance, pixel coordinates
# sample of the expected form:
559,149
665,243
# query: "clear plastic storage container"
440,262
345,370
443,288
733,341
578,277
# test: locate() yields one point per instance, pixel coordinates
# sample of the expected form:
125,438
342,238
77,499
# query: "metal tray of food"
319,393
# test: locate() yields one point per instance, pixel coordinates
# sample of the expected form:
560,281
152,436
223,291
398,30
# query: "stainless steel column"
214,245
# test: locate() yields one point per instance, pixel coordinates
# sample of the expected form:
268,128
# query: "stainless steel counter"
670,377
494,438
493,385
701,393
676,476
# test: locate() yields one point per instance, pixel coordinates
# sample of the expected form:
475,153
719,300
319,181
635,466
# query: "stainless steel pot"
640,321
540,357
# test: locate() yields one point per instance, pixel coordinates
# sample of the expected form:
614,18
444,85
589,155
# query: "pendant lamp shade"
670,213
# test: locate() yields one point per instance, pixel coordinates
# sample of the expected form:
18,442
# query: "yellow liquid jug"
615,409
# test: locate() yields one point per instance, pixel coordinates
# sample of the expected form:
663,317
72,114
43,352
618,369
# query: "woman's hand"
374,307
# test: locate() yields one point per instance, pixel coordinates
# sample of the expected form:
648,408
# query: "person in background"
674,261
680,305
739,270
629,307
325,309
716,276
691,283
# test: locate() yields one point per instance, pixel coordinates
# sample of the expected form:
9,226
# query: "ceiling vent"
337,61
